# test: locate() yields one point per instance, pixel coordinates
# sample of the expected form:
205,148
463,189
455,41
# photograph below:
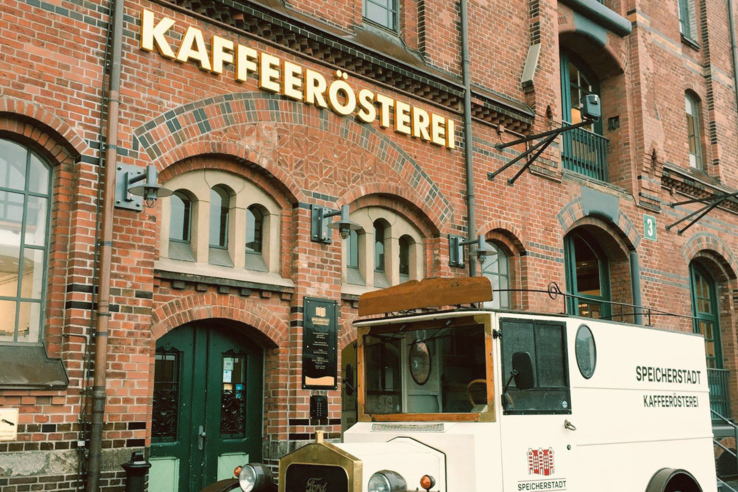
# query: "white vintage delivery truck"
474,400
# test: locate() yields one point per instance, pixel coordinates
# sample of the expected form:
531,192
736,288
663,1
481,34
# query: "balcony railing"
585,152
717,380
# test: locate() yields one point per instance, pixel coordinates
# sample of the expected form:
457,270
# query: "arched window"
692,108
587,275
219,209
584,150
25,190
496,268
353,269
380,270
254,230
180,227
705,311
406,243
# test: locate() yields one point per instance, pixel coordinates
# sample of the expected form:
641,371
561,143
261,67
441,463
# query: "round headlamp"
254,477
387,481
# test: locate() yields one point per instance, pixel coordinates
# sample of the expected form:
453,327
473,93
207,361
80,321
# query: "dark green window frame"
24,245
687,21
571,61
703,316
383,13
570,260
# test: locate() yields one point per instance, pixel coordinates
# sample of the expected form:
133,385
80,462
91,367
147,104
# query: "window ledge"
356,290
28,367
691,43
219,272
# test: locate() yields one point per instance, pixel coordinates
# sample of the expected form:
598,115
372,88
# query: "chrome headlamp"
387,481
254,477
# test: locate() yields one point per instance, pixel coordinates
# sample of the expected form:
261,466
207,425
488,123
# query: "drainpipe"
733,49
635,285
105,248
468,135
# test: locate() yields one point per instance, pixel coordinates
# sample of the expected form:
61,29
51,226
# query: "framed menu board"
319,344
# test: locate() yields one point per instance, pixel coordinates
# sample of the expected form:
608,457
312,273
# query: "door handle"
201,438
569,425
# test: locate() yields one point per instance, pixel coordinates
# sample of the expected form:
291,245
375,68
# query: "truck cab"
467,399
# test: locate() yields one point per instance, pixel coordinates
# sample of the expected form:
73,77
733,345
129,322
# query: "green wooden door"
207,409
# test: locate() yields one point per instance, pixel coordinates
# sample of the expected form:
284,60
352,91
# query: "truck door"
538,445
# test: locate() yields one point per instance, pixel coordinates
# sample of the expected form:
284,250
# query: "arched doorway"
707,323
207,408
587,275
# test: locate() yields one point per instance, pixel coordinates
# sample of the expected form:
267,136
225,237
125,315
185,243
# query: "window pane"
254,230
179,220
166,396
377,14
550,356
13,158
36,210
11,212
38,181
353,250
29,321
587,268
379,246
219,204
7,314
9,252
33,274
404,256
233,397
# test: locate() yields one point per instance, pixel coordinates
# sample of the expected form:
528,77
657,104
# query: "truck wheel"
671,480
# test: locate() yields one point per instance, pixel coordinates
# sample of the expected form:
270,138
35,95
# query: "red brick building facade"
219,272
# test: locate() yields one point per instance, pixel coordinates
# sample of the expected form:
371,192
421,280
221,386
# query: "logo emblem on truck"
541,461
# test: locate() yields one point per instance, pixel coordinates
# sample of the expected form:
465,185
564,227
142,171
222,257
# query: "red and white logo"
541,462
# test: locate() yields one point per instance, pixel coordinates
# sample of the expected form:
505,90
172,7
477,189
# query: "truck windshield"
439,370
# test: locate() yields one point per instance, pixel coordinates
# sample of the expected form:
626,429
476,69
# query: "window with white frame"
219,221
386,251
496,267
25,201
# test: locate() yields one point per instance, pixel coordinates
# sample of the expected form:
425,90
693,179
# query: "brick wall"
179,118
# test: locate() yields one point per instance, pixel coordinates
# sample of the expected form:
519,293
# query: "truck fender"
671,480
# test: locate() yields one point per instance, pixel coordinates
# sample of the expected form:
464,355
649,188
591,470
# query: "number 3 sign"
649,227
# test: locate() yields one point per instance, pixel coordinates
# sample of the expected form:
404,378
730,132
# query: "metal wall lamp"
130,195
456,249
320,226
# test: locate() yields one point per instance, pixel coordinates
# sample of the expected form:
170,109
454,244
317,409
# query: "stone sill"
222,276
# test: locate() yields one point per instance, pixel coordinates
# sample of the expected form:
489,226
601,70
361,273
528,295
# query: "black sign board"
301,478
319,341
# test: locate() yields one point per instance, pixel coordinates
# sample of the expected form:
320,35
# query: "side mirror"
522,365
348,380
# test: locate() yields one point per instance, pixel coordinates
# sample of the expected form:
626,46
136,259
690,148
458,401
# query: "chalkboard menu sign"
319,340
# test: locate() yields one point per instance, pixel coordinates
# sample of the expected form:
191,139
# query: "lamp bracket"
127,175
319,231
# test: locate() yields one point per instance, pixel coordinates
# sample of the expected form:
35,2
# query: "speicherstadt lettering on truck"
475,400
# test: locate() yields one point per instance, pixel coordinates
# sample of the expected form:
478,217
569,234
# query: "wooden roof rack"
431,292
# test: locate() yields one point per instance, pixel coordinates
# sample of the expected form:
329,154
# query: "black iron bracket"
535,151
711,203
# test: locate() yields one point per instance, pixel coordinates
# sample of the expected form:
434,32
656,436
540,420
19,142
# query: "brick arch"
386,195
54,135
168,316
601,58
572,213
509,230
231,124
226,163
706,242
208,147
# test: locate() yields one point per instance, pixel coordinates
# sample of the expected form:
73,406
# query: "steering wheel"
468,390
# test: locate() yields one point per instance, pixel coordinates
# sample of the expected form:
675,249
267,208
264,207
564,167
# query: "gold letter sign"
295,82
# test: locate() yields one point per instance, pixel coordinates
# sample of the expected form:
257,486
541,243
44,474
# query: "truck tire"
671,480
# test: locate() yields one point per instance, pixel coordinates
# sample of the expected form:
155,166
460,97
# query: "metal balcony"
585,153
717,380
